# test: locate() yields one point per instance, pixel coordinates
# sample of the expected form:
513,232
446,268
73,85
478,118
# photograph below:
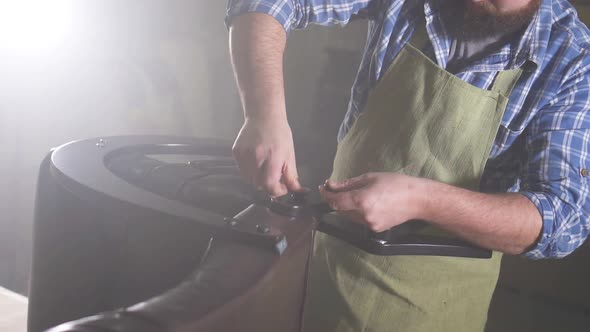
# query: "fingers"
376,200
290,177
265,155
353,216
341,200
268,174
351,205
349,184
249,164
354,203
259,167
269,178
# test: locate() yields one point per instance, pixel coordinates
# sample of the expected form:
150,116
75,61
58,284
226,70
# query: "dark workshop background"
162,67
145,67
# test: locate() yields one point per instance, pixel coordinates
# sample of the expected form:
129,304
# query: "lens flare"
34,25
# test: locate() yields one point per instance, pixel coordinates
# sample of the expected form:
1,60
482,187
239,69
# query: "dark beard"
483,19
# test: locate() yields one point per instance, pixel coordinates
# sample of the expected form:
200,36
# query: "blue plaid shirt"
542,148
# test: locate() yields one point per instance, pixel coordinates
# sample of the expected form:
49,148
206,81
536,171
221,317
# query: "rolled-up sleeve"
556,177
298,14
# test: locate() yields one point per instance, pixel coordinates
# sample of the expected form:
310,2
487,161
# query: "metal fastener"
231,222
262,228
585,172
101,143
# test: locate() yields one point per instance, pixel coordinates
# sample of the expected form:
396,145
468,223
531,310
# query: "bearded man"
471,115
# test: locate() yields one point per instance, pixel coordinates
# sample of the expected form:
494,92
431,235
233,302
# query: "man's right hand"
266,156
264,147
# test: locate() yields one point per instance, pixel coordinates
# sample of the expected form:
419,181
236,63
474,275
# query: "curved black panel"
86,169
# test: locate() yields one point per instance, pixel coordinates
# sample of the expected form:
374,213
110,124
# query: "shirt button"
564,242
585,172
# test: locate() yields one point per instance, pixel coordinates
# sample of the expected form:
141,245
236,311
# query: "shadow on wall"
149,67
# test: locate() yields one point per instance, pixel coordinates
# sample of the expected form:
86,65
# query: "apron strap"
506,81
420,36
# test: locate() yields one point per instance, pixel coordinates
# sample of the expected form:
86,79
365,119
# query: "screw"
262,228
101,143
231,222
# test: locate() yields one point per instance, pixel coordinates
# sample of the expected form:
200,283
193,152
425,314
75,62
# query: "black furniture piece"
153,233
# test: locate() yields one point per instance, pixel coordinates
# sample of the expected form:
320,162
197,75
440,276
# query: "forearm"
508,222
257,44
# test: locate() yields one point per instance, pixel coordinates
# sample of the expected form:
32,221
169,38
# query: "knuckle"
333,206
365,207
277,190
259,152
362,203
374,223
272,186
370,220
357,199
374,227
268,183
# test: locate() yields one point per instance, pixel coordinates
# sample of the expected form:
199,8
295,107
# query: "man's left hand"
379,200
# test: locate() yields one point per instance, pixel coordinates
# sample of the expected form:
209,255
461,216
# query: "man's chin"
481,8
483,18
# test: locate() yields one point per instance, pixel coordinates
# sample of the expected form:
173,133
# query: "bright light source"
34,25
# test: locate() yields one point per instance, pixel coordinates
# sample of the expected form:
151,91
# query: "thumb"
348,184
290,176
270,178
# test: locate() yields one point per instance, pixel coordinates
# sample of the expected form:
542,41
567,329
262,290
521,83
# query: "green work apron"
422,121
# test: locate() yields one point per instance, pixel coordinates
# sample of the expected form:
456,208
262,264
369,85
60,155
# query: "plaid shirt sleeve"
298,14
555,177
